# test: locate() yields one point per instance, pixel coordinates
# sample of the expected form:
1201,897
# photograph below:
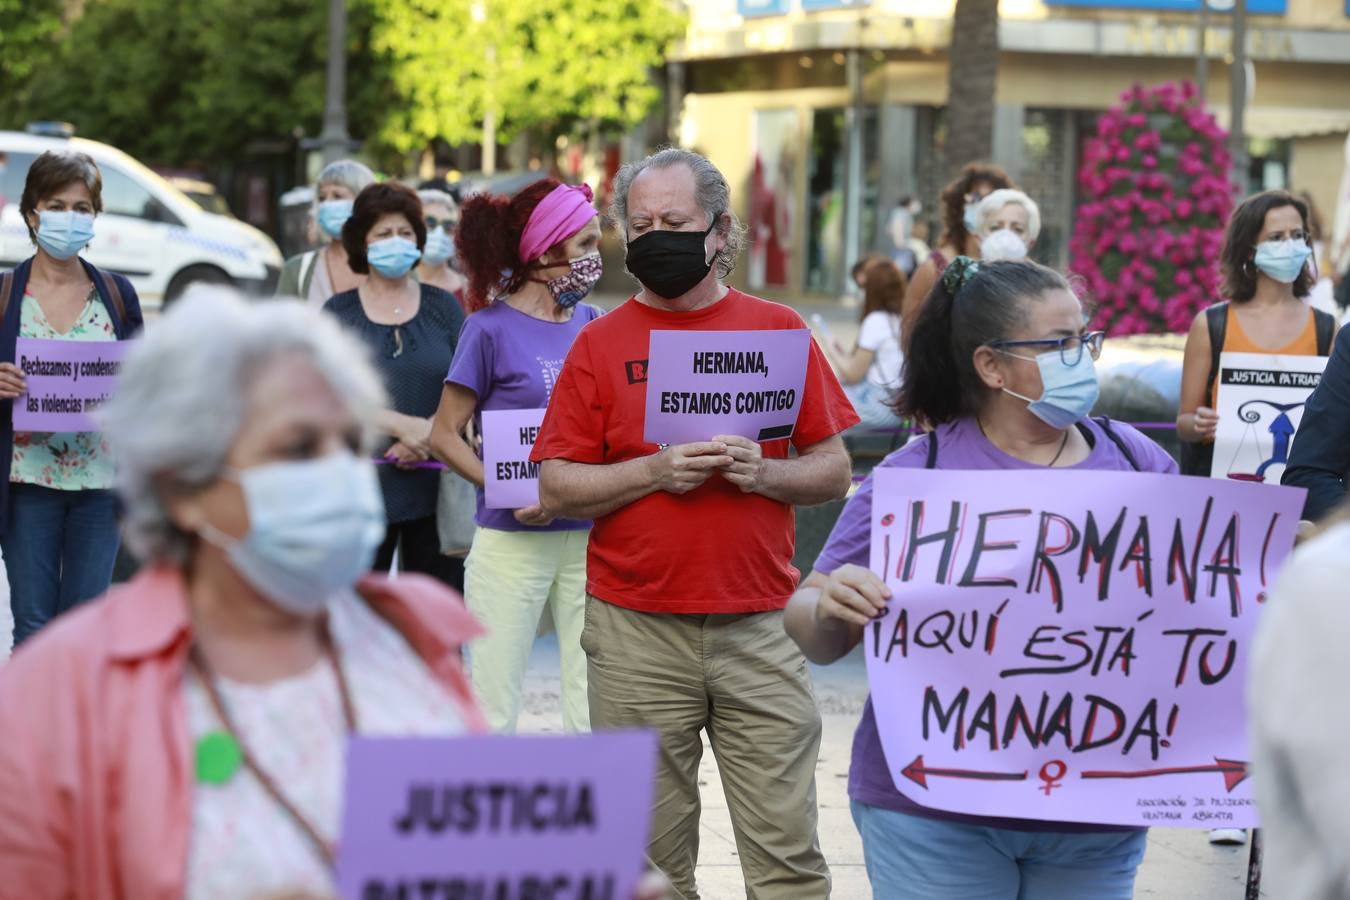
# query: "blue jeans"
917,858
59,549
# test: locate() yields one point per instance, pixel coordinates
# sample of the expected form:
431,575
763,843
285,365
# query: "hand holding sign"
747,466
683,467
854,595
1206,422
12,382
534,516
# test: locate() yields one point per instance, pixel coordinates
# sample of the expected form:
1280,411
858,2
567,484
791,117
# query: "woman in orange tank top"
1266,277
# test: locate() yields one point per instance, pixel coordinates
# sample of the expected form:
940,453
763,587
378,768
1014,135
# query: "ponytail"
972,305
487,241
928,387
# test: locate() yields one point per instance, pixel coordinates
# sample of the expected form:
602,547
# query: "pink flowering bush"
1157,196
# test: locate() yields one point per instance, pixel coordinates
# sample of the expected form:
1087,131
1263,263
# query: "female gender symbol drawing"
1052,773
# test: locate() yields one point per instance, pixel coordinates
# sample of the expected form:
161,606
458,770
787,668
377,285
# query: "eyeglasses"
1070,348
433,223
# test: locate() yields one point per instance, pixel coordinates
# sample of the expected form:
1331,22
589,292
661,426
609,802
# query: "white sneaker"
1228,837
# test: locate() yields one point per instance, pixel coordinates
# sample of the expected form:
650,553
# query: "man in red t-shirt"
689,563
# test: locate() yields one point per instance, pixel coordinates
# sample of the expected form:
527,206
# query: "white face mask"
1003,244
314,527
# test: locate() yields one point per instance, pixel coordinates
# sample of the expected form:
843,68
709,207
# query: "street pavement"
1180,864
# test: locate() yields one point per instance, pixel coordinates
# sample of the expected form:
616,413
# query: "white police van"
149,230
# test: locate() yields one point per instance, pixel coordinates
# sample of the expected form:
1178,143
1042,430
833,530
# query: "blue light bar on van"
51,129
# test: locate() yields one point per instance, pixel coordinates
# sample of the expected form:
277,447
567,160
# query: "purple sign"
1072,646
500,816
704,383
510,480
67,382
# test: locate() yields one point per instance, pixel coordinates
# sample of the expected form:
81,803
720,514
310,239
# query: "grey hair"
347,172
183,397
429,196
712,192
995,201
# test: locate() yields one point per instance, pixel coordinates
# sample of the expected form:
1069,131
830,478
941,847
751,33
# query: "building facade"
825,114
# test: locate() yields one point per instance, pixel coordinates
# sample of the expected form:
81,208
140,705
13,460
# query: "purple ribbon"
424,464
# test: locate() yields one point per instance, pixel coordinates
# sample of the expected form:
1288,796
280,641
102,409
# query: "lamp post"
1202,58
334,141
853,175
479,13
1237,135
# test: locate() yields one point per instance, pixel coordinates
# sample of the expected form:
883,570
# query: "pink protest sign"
1072,646
67,382
705,383
510,480
499,816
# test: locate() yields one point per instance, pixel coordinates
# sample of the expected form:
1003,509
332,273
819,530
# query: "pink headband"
561,214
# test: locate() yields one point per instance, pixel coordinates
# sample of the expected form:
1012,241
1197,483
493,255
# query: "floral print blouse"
68,461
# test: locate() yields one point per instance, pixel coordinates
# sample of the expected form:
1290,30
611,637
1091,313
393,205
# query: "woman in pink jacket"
184,736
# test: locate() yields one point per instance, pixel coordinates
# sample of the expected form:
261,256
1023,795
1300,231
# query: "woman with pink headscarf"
530,260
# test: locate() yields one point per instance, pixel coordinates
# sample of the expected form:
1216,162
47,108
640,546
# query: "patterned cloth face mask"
582,274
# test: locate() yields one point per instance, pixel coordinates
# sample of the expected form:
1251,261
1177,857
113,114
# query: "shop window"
825,201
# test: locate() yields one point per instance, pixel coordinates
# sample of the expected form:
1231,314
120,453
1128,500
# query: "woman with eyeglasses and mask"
1267,271
960,230
1003,369
437,268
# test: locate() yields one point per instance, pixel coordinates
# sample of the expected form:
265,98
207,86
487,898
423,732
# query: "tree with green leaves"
585,64
29,32
194,83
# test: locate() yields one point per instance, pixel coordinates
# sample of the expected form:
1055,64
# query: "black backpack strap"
931,462
6,288
1217,319
1116,439
1326,331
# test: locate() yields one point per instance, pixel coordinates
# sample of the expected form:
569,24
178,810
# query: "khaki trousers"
743,680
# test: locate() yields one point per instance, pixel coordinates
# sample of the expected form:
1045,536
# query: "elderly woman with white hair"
1008,224
440,212
184,736
316,275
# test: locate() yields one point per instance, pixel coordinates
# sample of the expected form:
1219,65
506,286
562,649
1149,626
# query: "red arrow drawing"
1234,772
918,773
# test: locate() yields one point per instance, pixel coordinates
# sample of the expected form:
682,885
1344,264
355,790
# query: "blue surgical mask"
1282,260
64,234
333,214
393,257
440,247
314,527
971,219
1068,392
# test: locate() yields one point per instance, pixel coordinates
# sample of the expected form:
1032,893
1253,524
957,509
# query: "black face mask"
670,263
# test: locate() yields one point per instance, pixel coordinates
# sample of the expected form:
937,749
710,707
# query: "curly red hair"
954,199
488,241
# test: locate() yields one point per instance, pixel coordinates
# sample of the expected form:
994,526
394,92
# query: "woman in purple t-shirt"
1002,368
546,239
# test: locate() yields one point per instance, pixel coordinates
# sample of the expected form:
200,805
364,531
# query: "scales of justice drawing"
1266,440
